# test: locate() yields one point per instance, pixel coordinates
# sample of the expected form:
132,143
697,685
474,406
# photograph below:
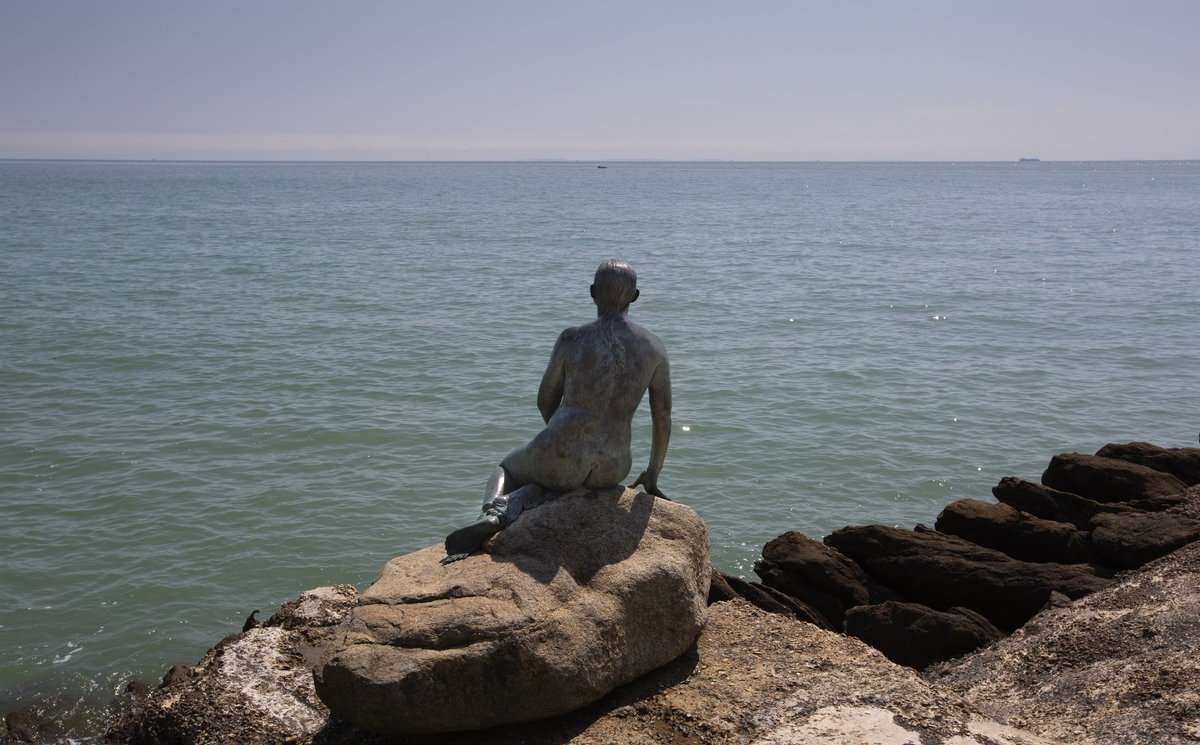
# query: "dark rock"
774,601
1108,479
1159,504
1018,534
178,672
1057,600
824,569
719,589
1130,540
795,587
916,635
1182,463
23,724
43,721
137,688
1051,504
944,571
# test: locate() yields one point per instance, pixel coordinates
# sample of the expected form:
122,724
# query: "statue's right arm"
550,392
660,419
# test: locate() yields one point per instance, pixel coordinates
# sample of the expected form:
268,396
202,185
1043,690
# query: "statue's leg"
500,508
499,484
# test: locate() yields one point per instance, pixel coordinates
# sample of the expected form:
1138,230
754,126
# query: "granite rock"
579,596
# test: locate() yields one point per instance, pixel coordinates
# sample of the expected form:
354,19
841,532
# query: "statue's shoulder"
570,332
648,335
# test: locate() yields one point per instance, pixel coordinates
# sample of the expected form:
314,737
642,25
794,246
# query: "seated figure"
596,378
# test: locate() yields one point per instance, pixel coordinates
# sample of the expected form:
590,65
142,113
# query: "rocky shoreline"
1066,612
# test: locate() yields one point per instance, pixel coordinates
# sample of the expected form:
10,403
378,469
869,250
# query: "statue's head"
615,286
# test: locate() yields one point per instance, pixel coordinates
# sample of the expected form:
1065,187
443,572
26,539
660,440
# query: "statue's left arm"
660,417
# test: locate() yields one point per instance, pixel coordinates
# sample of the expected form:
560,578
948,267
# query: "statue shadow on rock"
547,538
558,730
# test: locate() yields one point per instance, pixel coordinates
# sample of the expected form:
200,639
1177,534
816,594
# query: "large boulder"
1051,504
1018,534
578,596
1182,463
915,635
1108,479
1130,540
944,571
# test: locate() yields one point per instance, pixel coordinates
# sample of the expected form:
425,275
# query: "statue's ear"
636,293
592,290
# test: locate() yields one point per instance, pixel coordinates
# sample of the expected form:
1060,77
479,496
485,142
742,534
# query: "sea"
222,384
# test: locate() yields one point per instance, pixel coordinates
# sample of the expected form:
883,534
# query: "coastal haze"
518,80
227,383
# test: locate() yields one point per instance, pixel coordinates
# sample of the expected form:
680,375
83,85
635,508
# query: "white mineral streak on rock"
1001,734
258,667
844,725
325,606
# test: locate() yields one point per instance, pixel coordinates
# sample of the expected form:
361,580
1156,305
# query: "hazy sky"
513,80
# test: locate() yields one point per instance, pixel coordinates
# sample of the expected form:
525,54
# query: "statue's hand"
649,480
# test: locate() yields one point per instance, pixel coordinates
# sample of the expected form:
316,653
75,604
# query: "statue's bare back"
587,398
596,378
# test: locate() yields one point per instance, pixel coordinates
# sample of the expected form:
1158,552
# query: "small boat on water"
1030,160
602,166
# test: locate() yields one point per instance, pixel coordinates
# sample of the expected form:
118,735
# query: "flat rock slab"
578,596
1120,666
1130,540
1108,479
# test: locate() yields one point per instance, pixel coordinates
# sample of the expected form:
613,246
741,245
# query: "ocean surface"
224,383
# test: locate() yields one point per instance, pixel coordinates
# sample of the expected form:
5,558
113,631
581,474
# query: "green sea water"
224,383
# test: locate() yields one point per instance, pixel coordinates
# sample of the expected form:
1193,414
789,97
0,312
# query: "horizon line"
594,160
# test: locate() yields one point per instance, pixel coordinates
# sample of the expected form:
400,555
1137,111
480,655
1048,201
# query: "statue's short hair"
614,285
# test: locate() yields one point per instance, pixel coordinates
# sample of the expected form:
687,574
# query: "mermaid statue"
596,378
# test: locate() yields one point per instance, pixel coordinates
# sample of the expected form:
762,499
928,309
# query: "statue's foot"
453,558
469,539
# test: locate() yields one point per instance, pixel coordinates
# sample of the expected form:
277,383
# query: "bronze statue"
596,378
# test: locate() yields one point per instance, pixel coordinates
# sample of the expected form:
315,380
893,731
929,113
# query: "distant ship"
1030,160
602,166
